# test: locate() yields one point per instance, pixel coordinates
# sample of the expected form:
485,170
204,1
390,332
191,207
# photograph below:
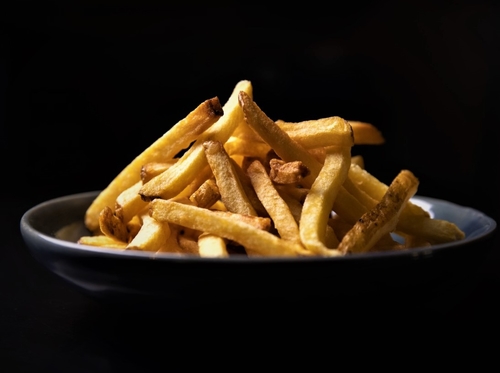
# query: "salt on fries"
228,180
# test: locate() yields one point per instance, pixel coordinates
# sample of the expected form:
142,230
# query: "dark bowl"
419,277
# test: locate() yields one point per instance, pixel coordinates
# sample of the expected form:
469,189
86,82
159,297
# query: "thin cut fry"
256,241
163,149
152,169
102,241
206,195
277,208
171,182
151,236
111,226
232,193
324,132
332,131
413,220
229,181
212,246
129,203
318,203
382,219
282,172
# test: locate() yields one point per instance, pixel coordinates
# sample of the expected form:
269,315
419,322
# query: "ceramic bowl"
418,275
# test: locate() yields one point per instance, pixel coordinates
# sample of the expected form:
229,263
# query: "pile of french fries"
228,180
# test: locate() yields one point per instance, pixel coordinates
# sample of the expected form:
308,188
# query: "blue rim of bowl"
79,249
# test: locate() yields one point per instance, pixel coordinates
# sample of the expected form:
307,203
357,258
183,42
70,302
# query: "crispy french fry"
278,139
249,190
282,172
188,244
171,182
324,132
238,146
113,227
152,169
229,180
318,203
102,241
152,235
345,205
259,222
277,208
413,220
366,133
171,244
212,246
358,160
232,193
163,149
206,195
256,241
330,132
383,218
129,203
294,204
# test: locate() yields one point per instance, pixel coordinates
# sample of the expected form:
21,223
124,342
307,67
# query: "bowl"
416,276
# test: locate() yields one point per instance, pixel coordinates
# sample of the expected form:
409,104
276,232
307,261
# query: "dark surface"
85,88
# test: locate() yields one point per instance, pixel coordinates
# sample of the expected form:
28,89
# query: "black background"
86,86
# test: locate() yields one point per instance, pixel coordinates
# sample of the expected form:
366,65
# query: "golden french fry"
282,172
366,133
414,241
383,218
152,235
229,180
206,195
111,226
249,190
358,160
102,241
129,203
232,193
330,132
320,199
171,245
259,222
134,226
163,149
413,220
278,210
188,244
256,241
278,139
238,146
212,246
324,132
345,205
294,204
152,169
171,182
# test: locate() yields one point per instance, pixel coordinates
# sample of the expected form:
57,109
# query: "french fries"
166,147
248,185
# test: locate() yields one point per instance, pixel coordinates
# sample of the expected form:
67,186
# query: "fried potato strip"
169,183
319,201
256,241
231,191
277,208
163,149
382,219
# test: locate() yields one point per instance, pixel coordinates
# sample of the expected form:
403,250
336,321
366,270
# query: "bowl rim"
72,248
